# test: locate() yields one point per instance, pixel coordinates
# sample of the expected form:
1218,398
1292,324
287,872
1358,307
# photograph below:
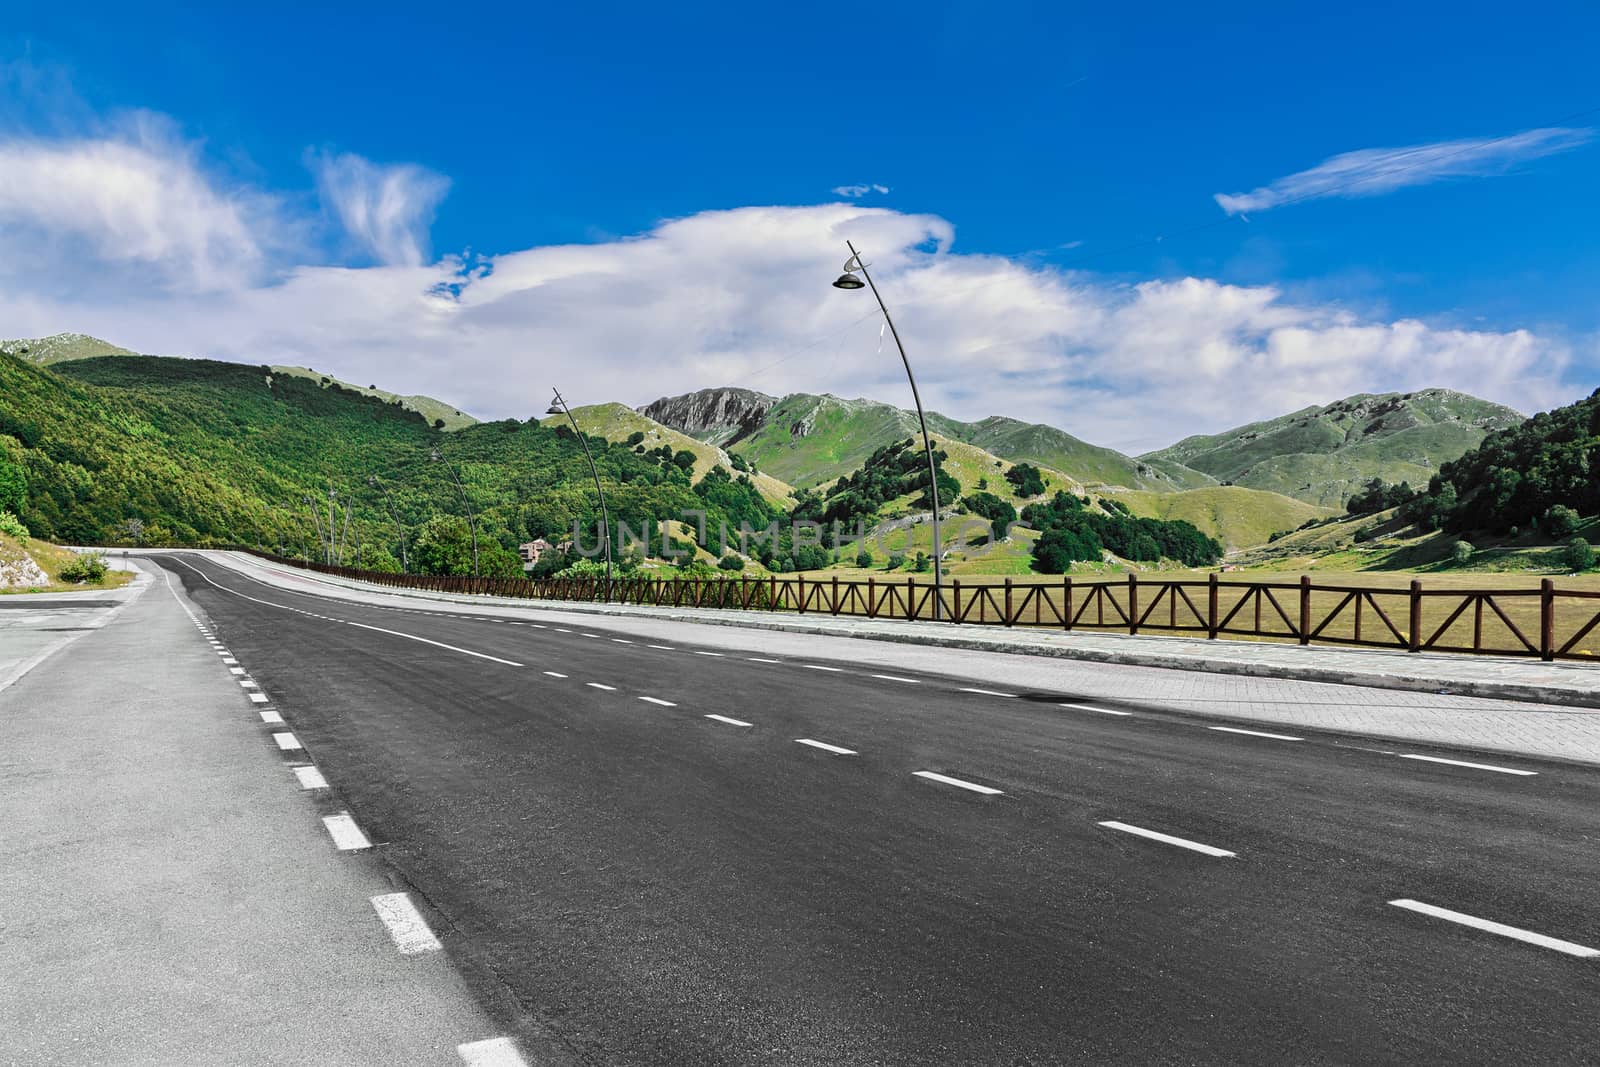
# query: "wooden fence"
1547,623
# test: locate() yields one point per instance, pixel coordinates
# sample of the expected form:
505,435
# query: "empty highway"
652,852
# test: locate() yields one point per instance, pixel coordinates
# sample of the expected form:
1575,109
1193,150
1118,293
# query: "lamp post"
559,407
848,280
372,480
472,521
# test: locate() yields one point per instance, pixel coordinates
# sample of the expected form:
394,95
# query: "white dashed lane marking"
288,742
664,648
985,692
406,926
257,698
820,667
271,717
933,776
1168,839
730,722
553,674
654,700
758,659
896,678
622,640
1528,936
495,1052
1473,766
1092,707
598,685
310,778
345,833
234,670
835,749
1254,733
699,653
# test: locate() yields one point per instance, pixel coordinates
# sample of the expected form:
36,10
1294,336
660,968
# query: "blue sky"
1063,157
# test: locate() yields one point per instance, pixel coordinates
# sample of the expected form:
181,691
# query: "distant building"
532,550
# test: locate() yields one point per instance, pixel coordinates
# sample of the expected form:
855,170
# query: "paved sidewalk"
168,893
1414,713
34,626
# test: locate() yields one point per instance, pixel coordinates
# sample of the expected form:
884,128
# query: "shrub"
635,437
1578,554
730,562
863,558
1560,521
1366,533
922,563
11,525
896,561
1460,552
84,569
1026,479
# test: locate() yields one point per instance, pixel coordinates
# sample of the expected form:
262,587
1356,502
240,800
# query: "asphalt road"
647,883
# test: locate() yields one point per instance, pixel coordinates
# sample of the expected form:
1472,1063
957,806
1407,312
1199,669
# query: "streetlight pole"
472,520
372,480
848,280
559,407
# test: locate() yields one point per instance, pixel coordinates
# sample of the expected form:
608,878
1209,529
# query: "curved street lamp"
372,480
848,280
559,407
436,456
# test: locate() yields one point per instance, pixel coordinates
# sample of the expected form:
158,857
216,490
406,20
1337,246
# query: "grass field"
51,559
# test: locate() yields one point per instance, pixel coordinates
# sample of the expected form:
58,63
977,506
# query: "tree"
730,562
998,512
1460,552
863,559
683,459
133,530
635,437
1578,554
921,563
1560,521
374,557
444,546
810,557
896,561
13,485
1026,479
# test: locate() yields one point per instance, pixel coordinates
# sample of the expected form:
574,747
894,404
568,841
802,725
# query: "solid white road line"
1474,766
1091,707
1168,839
819,667
408,929
553,674
1502,929
344,831
257,698
985,692
310,778
974,786
663,703
664,648
270,716
495,1052
288,742
1254,733
896,678
835,749
597,685
730,722
758,659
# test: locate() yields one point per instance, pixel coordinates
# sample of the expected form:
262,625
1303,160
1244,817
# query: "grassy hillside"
429,408
1234,515
60,348
1047,446
616,422
204,451
1322,455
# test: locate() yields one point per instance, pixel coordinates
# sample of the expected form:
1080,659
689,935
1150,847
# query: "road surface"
670,854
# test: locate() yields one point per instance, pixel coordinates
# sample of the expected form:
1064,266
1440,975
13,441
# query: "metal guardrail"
1546,623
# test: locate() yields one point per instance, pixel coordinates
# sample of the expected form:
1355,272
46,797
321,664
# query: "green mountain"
202,451
809,440
439,414
1323,455
60,347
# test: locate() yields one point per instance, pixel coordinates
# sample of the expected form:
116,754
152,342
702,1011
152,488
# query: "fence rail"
1545,623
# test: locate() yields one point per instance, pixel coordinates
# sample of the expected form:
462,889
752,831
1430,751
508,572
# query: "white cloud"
387,210
740,296
134,195
1375,171
855,192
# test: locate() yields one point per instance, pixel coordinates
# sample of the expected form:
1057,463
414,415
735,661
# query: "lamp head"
848,280
555,410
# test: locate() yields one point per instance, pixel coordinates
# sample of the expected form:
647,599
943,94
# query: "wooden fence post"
835,594
1008,601
911,600
1547,620
1211,608
1305,609
1415,636
872,599
955,593
800,584
1133,603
